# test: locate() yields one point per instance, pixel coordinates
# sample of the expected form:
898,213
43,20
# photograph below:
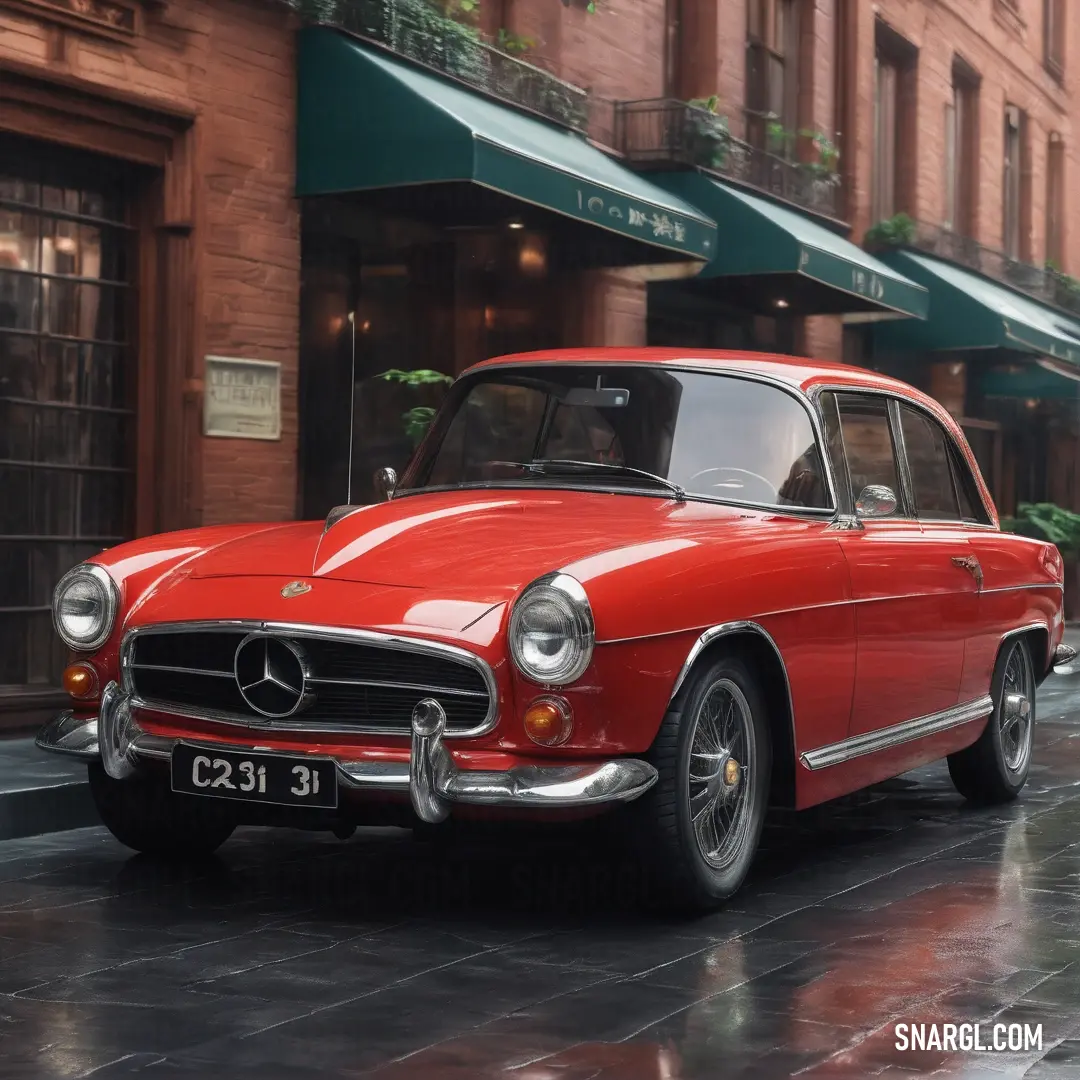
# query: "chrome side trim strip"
843,603
886,738
399,642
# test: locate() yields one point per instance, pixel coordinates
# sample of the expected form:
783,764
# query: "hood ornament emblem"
295,588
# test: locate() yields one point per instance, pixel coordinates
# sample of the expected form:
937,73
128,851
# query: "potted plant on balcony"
1065,288
1060,527
707,135
897,231
821,180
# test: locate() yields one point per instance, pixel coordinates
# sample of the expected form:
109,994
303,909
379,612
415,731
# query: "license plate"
254,776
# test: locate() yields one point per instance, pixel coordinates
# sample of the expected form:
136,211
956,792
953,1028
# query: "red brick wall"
1009,58
231,63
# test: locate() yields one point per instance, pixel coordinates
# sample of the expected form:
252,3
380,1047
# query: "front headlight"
551,631
84,607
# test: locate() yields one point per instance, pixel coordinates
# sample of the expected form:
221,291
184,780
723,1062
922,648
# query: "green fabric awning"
760,237
1040,380
968,311
368,121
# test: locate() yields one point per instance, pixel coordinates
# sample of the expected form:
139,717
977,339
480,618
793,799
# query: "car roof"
797,372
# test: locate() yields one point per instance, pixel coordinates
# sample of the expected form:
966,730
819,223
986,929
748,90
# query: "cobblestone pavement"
301,957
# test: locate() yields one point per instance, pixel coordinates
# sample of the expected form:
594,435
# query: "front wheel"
995,769
145,815
702,820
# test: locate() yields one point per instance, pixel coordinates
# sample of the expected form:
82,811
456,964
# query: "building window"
885,138
1013,183
1055,201
673,50
894,115
1054,37
961,151
772,73
66,387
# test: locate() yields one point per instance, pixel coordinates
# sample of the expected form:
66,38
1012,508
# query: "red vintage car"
671,584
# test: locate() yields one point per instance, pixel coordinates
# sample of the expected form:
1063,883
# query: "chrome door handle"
971,565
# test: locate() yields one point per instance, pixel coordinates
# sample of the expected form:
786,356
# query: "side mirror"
876,501
386,482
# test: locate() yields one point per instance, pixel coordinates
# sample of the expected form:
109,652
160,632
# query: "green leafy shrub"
892,232
1049,522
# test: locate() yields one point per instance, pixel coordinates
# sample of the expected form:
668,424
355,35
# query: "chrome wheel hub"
1016,715
720,781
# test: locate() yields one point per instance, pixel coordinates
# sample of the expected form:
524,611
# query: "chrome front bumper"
431,779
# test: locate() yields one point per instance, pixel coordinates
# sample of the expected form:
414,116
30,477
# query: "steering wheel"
772,492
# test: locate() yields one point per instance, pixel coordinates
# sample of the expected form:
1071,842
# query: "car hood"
492,542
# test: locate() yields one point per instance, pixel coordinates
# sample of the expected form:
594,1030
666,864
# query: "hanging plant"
419,377
707,133
418,419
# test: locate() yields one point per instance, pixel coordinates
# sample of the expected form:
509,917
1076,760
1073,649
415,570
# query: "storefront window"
397,309
65,389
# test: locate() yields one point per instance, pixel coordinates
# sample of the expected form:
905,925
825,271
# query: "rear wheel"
144,814
701,822
995,768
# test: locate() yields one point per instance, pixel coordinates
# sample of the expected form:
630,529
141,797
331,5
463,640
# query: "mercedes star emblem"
272,676
295,588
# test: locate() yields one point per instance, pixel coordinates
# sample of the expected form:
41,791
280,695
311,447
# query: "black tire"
664,836
145,815
989,771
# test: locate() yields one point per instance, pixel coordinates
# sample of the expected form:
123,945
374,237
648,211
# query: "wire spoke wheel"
1015,714
721,779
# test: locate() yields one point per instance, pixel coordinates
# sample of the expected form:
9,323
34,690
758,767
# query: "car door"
910,647
950,556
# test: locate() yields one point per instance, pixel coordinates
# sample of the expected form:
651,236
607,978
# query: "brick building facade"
187,115
147,146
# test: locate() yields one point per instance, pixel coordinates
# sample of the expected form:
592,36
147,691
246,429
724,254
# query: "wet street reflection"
295,956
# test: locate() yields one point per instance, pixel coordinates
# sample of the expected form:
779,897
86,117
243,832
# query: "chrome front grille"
354,681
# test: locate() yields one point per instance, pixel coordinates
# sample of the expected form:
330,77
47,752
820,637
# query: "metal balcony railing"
1046,285
662,133
420,31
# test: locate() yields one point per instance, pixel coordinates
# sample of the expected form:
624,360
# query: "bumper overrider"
432,780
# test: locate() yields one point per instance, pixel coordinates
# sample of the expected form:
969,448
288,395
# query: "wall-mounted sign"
243,398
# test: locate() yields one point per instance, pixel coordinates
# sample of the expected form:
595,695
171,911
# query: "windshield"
715,436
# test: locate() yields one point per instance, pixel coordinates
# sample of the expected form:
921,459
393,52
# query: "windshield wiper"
548,466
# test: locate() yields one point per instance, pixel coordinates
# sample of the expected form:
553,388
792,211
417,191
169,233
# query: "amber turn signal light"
80,680
549,721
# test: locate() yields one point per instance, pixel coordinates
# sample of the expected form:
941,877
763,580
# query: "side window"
971,504
868,444
931,470
834,439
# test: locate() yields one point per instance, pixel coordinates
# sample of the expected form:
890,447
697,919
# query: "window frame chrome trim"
873,742
379,639
989,510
